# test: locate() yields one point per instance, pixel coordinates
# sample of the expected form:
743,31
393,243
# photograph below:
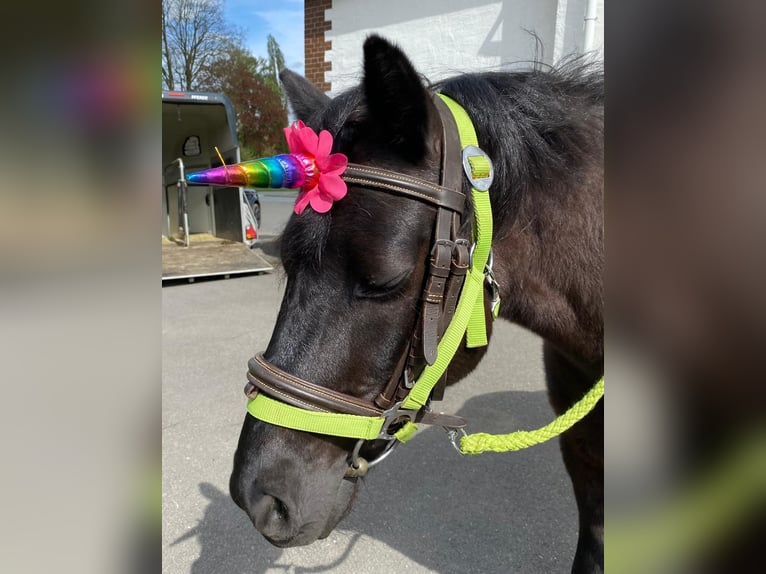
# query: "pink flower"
323,183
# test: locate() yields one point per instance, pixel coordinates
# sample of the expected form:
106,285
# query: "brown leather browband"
447,268
417,188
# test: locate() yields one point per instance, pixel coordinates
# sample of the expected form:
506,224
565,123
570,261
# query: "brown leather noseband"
447,267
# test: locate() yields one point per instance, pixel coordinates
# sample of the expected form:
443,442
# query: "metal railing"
183,213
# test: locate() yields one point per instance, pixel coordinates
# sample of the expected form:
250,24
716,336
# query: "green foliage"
202,52
257,97
276,59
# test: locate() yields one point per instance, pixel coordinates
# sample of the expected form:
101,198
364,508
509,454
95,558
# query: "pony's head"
355,276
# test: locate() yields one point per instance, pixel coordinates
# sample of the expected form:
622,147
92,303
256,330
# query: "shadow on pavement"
490,513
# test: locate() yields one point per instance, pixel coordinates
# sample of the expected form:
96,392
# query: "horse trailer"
206,231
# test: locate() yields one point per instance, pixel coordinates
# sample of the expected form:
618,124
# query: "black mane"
537,126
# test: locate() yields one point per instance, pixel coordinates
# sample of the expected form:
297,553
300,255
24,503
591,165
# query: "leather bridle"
449,261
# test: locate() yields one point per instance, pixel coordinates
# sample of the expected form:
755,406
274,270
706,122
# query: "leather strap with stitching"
276,383
448,265
404,185
458,270
299,392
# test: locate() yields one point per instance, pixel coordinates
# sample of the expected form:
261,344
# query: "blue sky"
283,19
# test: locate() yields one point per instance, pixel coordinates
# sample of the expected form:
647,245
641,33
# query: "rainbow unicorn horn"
299,169
288,170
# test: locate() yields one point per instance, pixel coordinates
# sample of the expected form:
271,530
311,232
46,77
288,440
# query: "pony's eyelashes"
381,286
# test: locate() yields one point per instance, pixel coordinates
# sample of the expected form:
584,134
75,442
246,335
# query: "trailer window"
192,147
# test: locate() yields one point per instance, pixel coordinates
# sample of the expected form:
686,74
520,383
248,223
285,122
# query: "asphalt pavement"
276,208
425,509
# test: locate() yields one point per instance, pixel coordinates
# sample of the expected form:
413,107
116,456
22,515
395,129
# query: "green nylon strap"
469,318
281,414
406,432
483,442
476,334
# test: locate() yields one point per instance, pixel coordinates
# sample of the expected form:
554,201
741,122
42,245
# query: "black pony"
355,274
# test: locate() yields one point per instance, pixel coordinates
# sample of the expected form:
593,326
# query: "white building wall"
446,37
599,39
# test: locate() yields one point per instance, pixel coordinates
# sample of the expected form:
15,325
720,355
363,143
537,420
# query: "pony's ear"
396,98
304,97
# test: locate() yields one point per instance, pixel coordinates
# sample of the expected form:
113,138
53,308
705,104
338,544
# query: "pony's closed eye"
381,286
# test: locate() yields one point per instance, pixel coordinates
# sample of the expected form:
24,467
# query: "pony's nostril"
271,517
280,510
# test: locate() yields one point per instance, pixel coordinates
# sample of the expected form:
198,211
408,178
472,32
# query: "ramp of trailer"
208,256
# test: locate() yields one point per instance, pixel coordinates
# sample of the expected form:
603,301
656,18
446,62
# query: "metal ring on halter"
359,466
384,454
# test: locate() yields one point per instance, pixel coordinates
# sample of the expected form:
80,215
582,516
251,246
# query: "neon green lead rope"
483,442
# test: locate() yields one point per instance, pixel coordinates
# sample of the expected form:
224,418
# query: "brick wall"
315,45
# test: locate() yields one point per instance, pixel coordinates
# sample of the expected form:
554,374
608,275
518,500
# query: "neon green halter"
468,320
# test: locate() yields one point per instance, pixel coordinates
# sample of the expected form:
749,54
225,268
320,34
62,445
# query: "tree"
257,101
275,64
201,52
194,34
276,58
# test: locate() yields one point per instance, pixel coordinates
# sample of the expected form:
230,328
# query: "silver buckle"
408,382
395,414
495,288
481,183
